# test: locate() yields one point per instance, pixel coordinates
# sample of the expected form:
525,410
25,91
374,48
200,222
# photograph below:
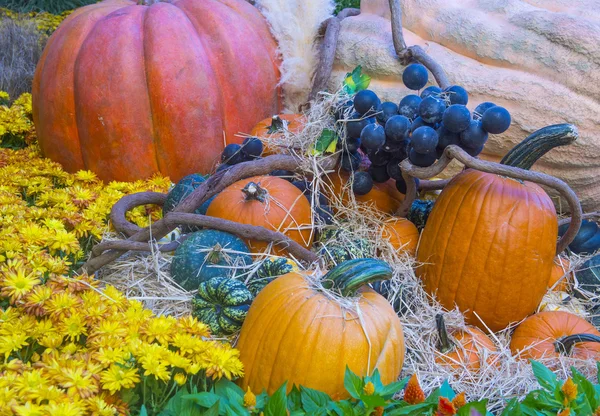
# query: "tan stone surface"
542,64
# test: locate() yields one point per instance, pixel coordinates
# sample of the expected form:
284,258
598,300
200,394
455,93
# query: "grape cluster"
419,128
250,149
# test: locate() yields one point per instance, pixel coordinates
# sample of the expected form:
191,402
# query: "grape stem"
455,152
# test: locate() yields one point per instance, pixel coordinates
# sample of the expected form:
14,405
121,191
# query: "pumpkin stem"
277,124
444,344
564,345
537,144
254,192
215,254
349,276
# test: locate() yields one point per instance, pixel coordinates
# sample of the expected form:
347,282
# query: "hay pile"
146,277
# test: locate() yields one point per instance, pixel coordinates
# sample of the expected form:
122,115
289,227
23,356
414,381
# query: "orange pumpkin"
295,332
489,244
538,336
266,201
128,90
272,128
471,347
560,268
384,196
401,234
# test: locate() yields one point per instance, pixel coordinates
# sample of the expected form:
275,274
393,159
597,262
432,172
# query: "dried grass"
501,378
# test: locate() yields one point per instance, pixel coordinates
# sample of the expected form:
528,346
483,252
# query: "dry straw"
500,378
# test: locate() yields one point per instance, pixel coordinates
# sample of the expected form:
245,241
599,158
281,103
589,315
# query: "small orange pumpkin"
272,127
384,196
557,282
266,201
471,346
402,235
296,332
548,334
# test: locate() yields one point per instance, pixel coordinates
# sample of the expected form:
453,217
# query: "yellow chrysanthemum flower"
17,283
118,377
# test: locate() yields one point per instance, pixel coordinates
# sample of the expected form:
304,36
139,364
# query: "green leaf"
261,400
353,384
585,387
326,143
204,399
143,411
467,409
376,380
228,389
213,410
393,388
277,403
313,399
414,409
294,399
544,376
356,81
447,391
373,401
177,406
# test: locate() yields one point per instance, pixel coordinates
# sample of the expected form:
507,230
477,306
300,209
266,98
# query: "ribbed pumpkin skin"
286,210
127,90
296,334
488,247
560,267
536,335
402,235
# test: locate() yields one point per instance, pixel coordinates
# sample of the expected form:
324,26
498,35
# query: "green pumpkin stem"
254,192
215,255
444,343
537,144
277,124
564,345
347,277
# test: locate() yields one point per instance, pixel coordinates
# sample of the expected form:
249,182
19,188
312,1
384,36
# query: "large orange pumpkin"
295,332
128,90
489,244
537,336
266,201
401,234
272,129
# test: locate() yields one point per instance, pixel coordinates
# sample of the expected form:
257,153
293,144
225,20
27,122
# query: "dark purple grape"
372,136
409,106
351,144
232,154
474,137
343,109
473,151
362,183
424,140
431,110
457,95
354,127
432,90
324,214
223,166
419,159
415,76
379,173
446,137
252,147
496,120
366,102
481,108
397,128
457,118
385,111
302,185
322,199
350,161
393,169
379,157
418,122
401,151
401,185
288,175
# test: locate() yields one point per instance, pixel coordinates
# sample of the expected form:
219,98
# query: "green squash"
419,212
206,254
337,248
270,269
182,190
588,278
222,304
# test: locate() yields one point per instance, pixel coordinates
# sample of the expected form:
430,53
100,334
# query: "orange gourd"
542,334
295,332
272,129
384,196
490,241
560,268
128,90
471,347
266,201
401,234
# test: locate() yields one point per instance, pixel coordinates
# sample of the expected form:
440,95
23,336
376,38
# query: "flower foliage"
46,23
16,123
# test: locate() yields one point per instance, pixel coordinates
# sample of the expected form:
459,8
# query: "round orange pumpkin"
272,128
384,196
128,90
471,347
401,234
295,332
266,201
560,268
537,336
